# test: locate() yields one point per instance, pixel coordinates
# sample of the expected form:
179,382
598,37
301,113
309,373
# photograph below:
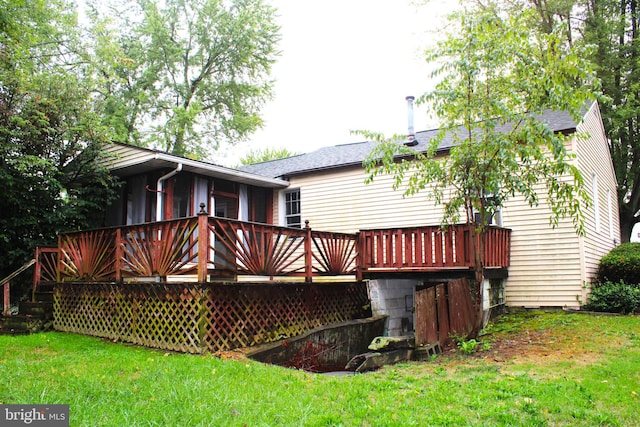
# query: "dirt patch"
537,347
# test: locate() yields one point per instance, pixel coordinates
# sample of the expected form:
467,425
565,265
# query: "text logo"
34,415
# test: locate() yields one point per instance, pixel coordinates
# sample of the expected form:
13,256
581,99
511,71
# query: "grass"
540,369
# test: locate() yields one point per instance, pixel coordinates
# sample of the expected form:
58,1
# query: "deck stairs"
33,315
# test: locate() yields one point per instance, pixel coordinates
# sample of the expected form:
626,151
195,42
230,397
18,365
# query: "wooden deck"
429,249
211,249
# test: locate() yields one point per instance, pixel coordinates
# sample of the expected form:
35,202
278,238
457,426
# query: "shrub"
621,264
614,297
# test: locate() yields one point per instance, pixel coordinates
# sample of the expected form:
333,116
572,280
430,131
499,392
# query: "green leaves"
611,27
49,136
265,155
496,79
194,74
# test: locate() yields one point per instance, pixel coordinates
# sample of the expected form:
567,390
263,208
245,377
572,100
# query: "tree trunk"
478,242
627,221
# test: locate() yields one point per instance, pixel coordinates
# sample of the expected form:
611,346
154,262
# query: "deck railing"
430,248
209,247
212,248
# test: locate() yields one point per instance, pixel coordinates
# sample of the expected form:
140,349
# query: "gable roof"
125,160
339,156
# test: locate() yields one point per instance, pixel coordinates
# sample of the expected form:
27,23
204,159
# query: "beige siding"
122,155
545,262
340,201
549,266
593,157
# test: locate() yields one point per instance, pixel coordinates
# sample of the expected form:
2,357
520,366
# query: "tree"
612,26
188,75
259,156
49,138
496,78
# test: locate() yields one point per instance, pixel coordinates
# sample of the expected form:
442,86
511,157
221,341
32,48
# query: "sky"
346,65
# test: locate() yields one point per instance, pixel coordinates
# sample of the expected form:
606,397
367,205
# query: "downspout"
160,190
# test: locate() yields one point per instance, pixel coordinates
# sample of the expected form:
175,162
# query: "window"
292,211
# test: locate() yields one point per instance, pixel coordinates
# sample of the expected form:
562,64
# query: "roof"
339,156
128,160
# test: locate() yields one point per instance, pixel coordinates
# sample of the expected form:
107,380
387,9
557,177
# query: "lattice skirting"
194,318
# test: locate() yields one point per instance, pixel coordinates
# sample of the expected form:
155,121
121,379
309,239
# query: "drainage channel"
326,349
342,349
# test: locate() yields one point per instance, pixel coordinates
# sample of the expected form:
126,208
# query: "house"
549,266
161,186
194,256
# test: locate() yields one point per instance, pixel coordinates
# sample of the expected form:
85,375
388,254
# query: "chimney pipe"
411,137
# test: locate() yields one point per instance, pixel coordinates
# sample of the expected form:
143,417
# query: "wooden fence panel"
441,310
426,322
460,307
443,313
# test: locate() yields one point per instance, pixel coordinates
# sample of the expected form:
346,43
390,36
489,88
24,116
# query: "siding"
545,262
549,266
122,155
340,201
593,156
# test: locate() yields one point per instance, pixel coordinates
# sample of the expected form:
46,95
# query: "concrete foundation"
394,298
326,348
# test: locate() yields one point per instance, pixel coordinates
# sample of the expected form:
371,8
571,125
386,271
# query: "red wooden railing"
430,248
215,248
206,246
46,267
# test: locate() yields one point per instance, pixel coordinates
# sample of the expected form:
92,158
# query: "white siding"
123,155
548,266
340,201
545,262
593,157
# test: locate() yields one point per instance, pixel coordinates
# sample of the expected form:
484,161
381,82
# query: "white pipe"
160,190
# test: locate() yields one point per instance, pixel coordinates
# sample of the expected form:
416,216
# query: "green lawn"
541,369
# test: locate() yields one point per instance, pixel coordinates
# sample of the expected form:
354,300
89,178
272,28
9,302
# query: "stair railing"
7,287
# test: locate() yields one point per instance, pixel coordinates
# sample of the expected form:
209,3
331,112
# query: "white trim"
129,157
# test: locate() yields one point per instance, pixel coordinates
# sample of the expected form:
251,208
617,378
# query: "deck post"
308,270
119,255
59,263
203,244
37,272
360,248
6,309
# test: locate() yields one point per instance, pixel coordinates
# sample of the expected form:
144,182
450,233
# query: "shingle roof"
353,154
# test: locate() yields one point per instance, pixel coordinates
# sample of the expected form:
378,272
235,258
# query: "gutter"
160,190
226,173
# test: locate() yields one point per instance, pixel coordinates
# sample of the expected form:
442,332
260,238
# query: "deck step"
40,309
23,324
43,296
12,331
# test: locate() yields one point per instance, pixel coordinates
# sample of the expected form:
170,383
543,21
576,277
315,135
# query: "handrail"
430,247
18,271
203,245
5,285
209,246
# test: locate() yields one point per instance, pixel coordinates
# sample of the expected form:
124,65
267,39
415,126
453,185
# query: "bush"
614,297
621,264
